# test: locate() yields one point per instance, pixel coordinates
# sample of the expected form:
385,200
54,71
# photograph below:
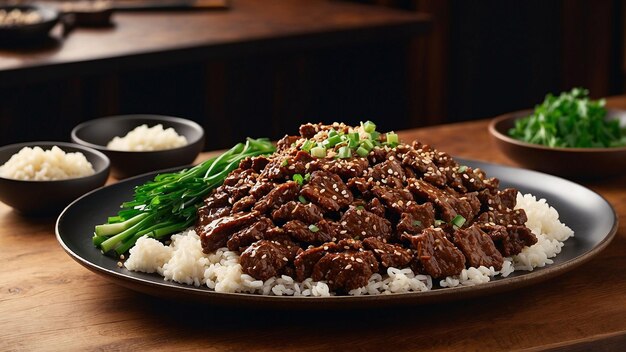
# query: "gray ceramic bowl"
97,133
573,163
50,197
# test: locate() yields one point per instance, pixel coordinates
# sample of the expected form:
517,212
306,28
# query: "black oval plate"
591,217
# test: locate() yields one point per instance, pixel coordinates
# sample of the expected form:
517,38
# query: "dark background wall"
481,59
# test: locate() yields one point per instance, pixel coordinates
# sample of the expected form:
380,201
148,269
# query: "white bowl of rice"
138,144
41,178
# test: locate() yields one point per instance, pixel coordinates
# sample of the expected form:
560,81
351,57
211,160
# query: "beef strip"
248,235
376,207
244,204
306,260
314,233
389,173
265,259
510,240
505,217
498,200
436,255
345,168
389,255
280,195
215,234
345,271
360,223
261,188
308,213
241,184
206,214
218,199
416,218
395,199
308,130
478,247
472,180
328,191
285,143
448,205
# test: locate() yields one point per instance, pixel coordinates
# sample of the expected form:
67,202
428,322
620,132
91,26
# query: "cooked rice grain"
144,138
36,164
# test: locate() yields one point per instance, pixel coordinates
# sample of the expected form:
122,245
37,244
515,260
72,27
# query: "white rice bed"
184,262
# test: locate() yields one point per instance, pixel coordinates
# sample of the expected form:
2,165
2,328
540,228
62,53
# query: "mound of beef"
342,218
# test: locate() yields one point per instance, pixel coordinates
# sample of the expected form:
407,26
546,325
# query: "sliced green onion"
313,228
332,141
462,169
362,152
302,200
458,221
307,145
369,127
354,136
284,163
417,223
332,133
367,144
344,153
374,136
392,138
307,177
360,207
298,178
318,152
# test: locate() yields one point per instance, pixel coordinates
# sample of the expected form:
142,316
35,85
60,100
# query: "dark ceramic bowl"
573,163
33,31
97,133
50,197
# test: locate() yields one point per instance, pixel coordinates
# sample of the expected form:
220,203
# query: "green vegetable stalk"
570,120
168,204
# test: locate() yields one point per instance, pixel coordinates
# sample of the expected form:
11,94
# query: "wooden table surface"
157,38
50,302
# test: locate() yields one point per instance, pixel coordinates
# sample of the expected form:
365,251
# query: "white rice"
36,164
183,261
144,138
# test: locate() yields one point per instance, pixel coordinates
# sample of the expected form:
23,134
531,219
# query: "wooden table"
49,302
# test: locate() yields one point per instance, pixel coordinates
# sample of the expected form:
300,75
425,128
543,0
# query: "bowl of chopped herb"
568,135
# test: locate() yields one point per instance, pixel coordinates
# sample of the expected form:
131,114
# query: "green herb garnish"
570,120
458,221
169,203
